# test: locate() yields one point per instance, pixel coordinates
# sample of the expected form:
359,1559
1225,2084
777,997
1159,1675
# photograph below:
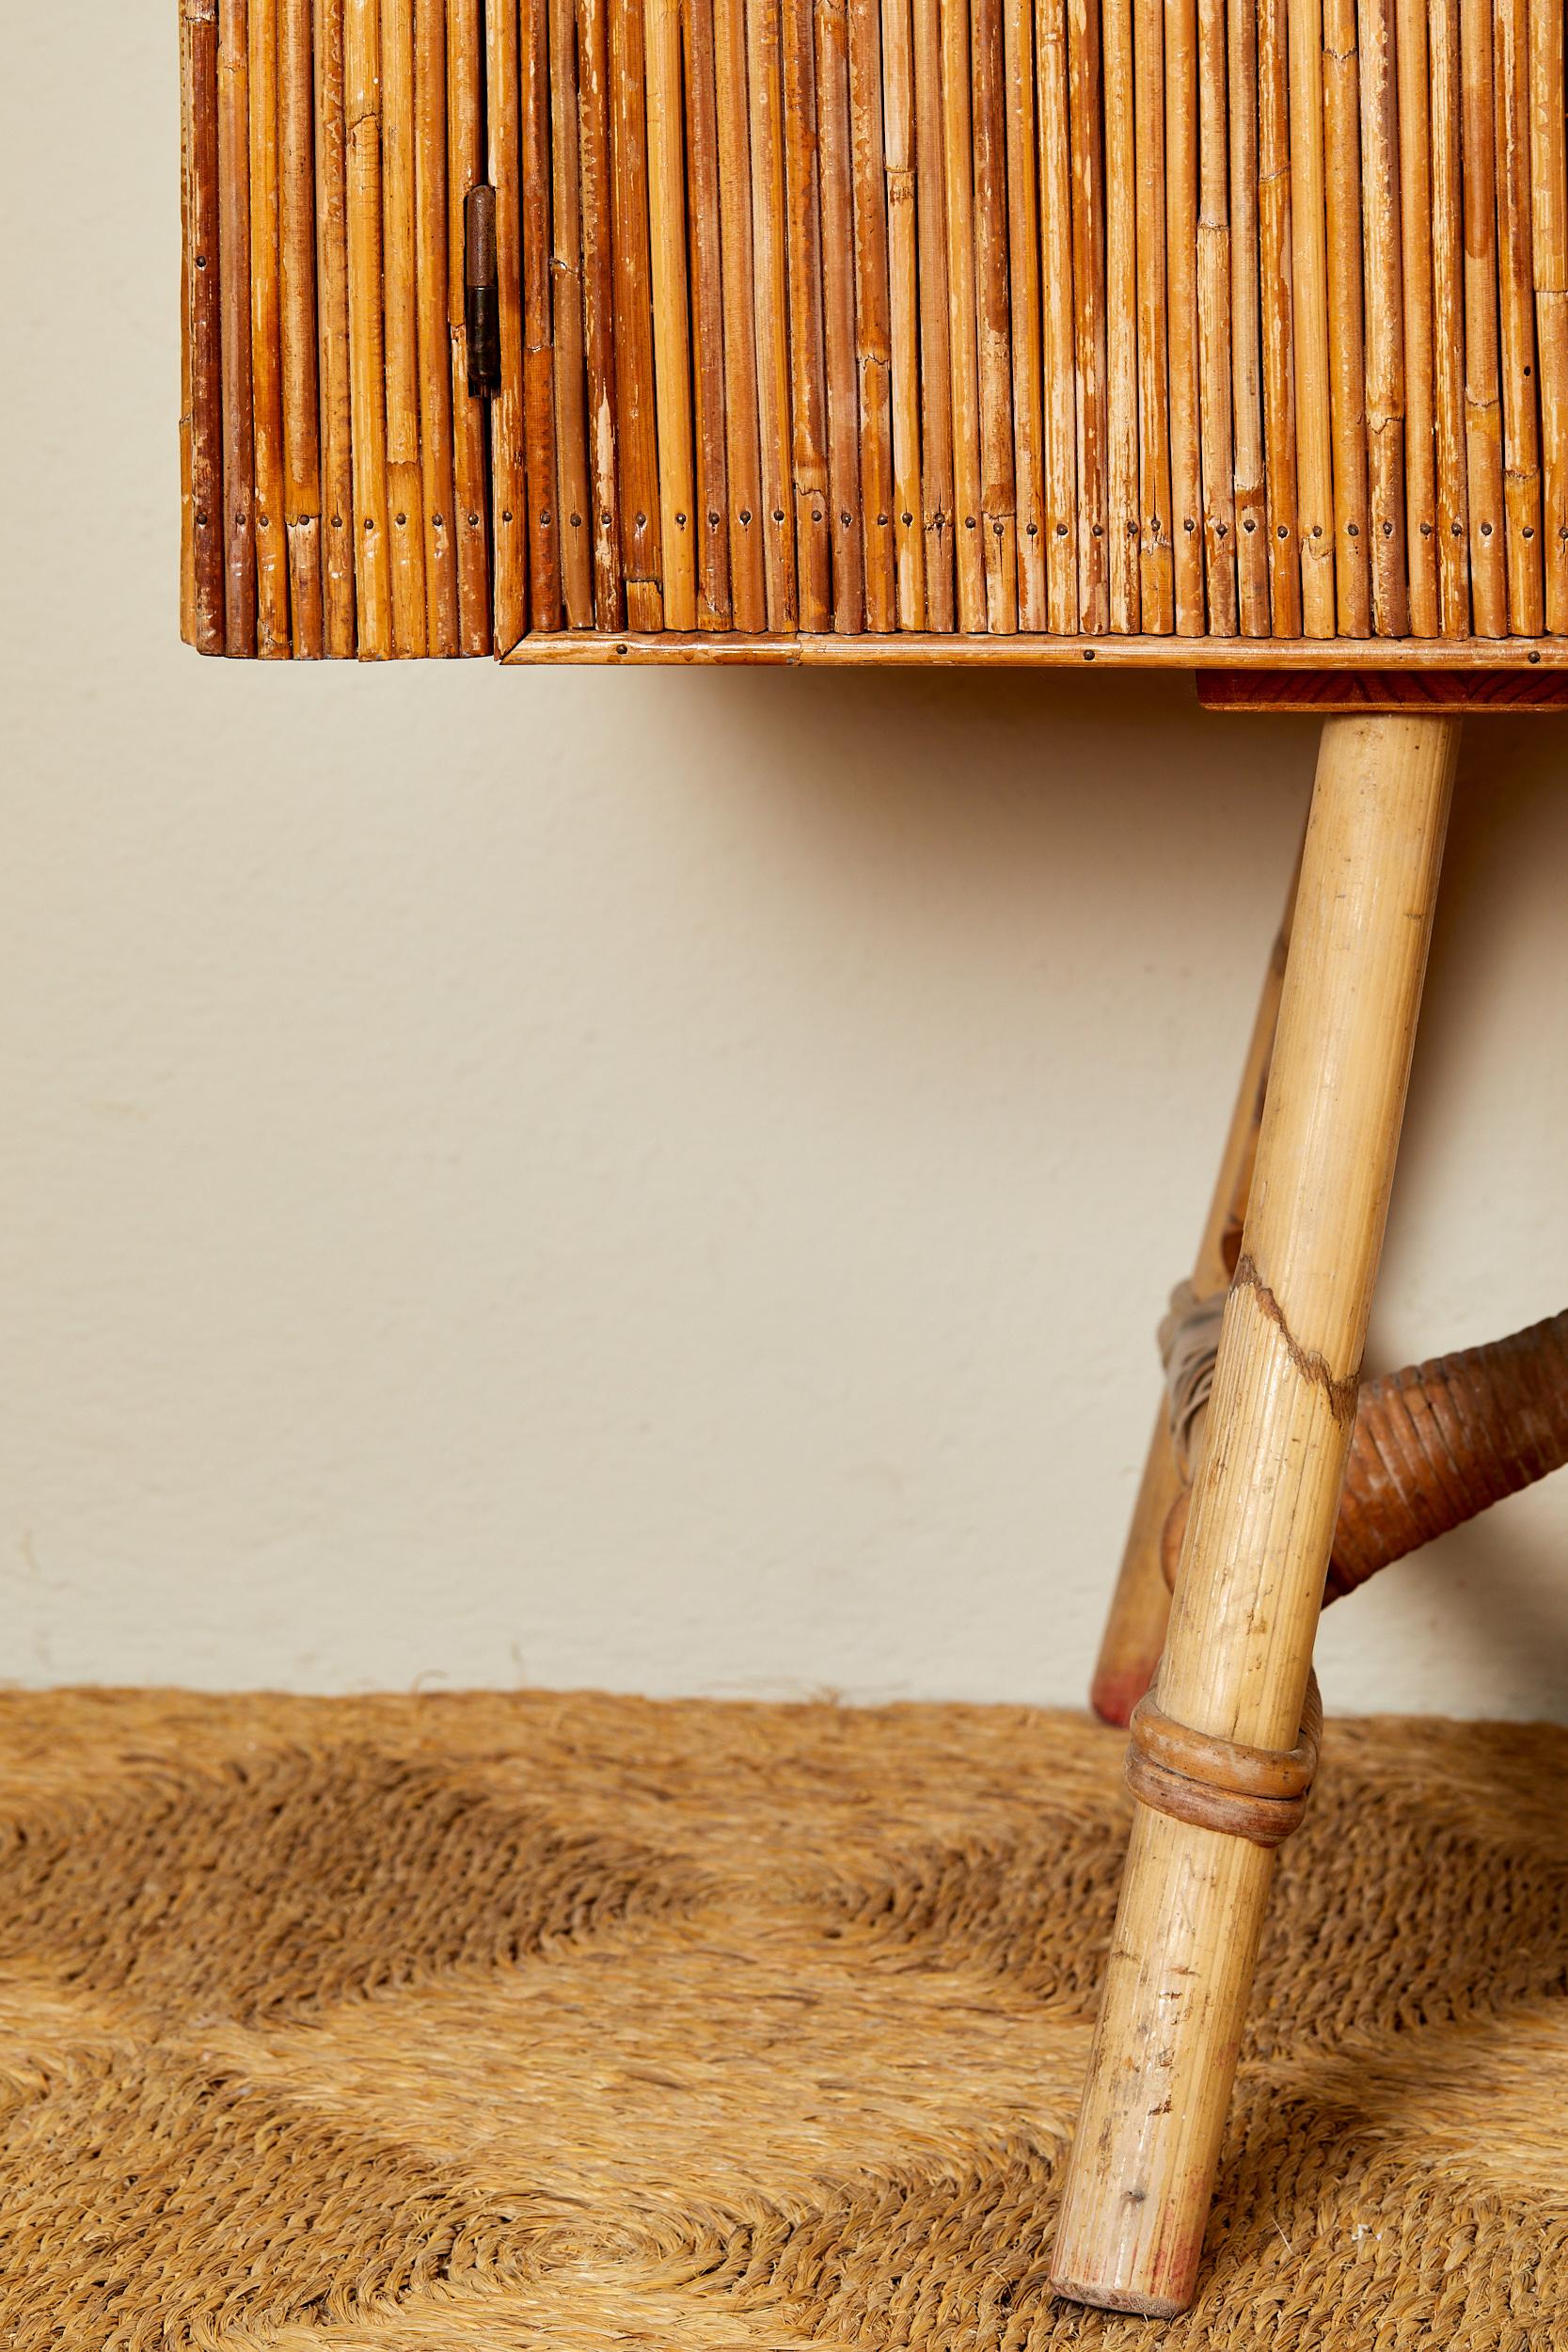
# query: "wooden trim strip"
1300,657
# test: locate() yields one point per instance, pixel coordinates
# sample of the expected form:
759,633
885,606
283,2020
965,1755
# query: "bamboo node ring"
1256,1793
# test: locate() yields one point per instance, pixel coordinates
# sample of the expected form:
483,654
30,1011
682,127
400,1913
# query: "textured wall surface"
659,1180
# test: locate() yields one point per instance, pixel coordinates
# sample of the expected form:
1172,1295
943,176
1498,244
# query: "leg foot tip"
1111,2298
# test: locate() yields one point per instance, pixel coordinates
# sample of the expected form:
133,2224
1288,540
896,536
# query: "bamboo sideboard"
1036,330
1228,335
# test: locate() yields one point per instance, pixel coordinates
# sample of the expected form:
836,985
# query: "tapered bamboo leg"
1140,1607
1236,1664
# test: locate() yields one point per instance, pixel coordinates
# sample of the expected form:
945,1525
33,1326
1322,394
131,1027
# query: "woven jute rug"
486,2024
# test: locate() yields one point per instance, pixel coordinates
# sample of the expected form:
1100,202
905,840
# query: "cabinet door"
334,461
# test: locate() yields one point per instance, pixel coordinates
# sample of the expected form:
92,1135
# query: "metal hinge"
481,293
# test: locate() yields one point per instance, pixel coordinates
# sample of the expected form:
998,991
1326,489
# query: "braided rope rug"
549,2023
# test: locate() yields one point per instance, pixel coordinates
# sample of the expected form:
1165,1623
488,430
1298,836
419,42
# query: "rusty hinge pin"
481,293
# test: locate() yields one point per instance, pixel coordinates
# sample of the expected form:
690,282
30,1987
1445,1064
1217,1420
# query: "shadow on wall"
951,789
1478,1160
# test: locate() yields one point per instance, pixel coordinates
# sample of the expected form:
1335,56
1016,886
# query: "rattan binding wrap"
1256,1793
1053,325
1441,1441
1433,1445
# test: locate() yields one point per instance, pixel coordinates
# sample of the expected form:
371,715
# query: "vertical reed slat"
873,315
957,146
1217,387
1448,313
399,305
1482,386
301,409
671,347
362,113
998,485
938,489
770,215
1123,385
1416,237
239,455
838,316
637,444
574,500
711,517
1085,118
188,265
203,328
903,234
525,498
743,453
434,341
1156,571
464,169
266,342
1061,398
266,339
1309,281
1516,319
1384,317
525,543
1346,335
1549,249
1027,308
808,383
1246,332
598,312
1181,242
337,431
1276,288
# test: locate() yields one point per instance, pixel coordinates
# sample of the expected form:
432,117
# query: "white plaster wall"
660,1181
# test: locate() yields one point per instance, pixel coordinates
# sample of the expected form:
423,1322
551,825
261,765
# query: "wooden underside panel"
1411,690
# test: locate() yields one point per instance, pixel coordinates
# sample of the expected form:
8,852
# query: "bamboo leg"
1140,1607
1236,1665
